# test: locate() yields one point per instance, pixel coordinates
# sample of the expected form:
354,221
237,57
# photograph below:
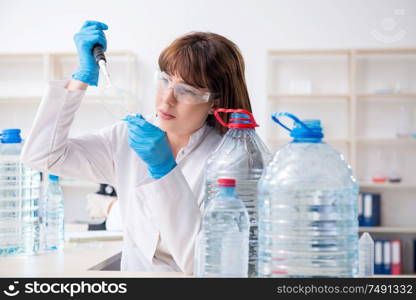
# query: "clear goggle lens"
183,93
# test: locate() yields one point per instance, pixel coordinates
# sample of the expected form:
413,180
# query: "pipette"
123,104
98,53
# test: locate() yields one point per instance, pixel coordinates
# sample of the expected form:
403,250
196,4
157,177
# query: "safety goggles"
183,93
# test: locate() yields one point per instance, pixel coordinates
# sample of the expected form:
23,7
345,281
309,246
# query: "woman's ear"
213,107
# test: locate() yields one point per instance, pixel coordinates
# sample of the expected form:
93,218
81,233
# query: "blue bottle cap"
10,136
53,177
306,129
309,129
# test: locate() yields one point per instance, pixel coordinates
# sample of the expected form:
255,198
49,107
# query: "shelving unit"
387,185
363,98
23,82
382,229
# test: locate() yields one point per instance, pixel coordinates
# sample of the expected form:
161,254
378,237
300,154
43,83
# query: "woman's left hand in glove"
151,145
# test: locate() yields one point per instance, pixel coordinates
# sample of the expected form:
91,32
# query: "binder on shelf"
414,256
378,257
371,209
396,257
386,257
360,208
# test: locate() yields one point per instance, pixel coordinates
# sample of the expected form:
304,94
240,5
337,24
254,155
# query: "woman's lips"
165,116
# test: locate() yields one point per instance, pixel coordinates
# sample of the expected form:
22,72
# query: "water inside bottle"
19,206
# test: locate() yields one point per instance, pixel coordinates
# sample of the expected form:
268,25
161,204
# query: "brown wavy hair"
209,60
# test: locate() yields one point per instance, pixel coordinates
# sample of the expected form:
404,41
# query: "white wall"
146,27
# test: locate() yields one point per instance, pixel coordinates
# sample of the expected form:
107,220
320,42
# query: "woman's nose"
169,97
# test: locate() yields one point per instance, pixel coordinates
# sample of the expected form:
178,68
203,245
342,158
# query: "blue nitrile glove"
151,145
91,33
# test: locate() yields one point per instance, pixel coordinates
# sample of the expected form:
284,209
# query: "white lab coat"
161,218
114,221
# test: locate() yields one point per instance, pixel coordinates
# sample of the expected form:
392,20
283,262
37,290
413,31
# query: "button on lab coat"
161,218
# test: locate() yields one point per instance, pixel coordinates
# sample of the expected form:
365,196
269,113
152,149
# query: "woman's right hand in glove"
91,33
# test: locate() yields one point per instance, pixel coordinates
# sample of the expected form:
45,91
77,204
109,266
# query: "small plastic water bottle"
19,199
308,208
223,242
53,215
365,256
241,155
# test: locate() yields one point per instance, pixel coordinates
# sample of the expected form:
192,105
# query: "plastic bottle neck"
226,191
241,121
307,140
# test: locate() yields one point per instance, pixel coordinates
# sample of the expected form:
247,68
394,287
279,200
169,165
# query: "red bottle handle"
252,123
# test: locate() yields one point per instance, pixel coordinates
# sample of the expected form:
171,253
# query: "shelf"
384,141
107,54
382,229
386,51
78,184
328,140
35,99
394,276
393,95
341,51
307,52
313,96
110,101
387,185
21,99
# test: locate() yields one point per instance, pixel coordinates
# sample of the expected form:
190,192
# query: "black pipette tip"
98,52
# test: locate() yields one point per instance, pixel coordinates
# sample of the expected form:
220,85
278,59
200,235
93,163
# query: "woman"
157,168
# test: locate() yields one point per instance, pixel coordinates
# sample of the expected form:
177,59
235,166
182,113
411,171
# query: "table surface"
79,259
75,260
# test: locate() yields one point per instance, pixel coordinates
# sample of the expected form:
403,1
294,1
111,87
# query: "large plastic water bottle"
307,208
242,155
53,215
223,244
19,199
